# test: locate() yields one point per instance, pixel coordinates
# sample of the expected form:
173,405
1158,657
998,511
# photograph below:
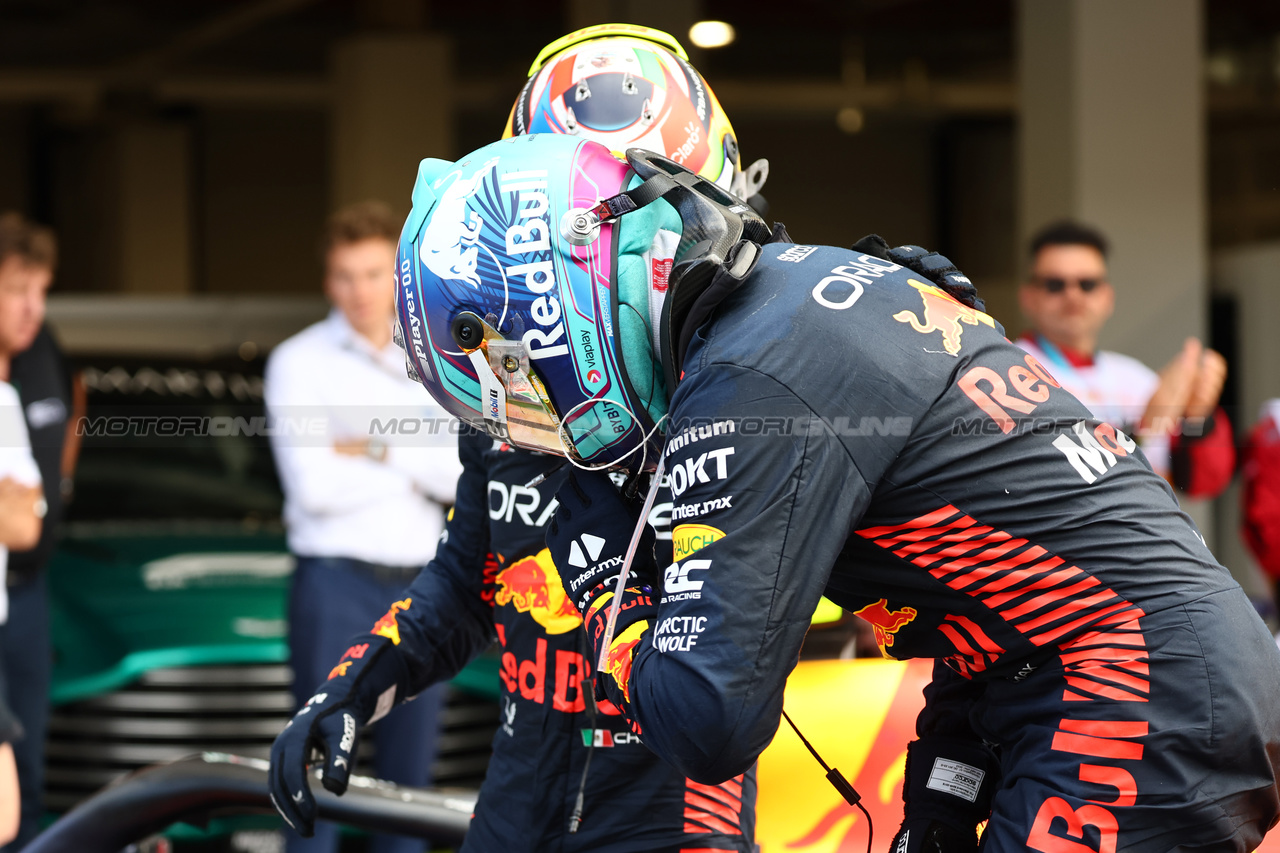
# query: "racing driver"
834,421
567,772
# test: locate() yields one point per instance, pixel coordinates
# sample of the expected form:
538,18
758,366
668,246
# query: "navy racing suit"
492,576
844,427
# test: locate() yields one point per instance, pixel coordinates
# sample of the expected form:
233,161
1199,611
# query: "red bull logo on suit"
886,622
942,314
533,586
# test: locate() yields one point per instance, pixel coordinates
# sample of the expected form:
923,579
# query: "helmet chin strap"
571,453
581,226
654,483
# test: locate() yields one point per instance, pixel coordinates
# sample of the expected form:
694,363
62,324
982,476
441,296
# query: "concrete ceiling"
907,55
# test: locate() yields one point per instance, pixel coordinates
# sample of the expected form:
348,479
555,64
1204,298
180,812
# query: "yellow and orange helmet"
628,86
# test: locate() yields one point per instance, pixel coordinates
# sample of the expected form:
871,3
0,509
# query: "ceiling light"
850,120
711,34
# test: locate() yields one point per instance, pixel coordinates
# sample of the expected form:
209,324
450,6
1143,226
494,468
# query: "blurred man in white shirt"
1068,298
368,462
28,256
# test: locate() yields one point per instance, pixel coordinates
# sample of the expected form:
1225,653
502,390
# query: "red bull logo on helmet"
533,586
450,241
387,625
942,314
886,622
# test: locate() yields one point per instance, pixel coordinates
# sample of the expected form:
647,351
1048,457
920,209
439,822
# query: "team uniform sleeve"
449,616
762,505
948,699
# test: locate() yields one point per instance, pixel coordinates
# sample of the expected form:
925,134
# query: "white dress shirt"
328,383
1116,388
17,462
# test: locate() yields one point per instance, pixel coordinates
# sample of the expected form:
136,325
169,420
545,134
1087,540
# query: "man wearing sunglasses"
1068,299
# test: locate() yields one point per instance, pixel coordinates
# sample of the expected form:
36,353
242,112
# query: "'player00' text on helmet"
540,281
627,86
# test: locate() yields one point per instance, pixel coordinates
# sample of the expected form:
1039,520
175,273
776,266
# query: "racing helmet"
539,282
628,86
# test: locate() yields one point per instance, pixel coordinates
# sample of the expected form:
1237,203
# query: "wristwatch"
40,507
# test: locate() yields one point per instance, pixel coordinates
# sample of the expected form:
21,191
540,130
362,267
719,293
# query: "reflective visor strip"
603,31
514,401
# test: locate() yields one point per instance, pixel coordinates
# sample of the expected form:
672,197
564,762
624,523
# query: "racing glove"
946,793
938,269
588,539
362,688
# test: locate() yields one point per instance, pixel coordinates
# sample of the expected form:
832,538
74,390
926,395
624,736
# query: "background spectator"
1174,414
362,512
31,361
1261,499
10,802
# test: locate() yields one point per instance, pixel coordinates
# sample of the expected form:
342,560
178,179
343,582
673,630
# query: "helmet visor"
514,401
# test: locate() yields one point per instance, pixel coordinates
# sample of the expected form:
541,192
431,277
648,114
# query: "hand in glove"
363,687
938,269
588,539
946,793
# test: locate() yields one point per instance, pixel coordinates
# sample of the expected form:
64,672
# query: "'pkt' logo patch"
593,544
688,539
691,472
942,314
886,622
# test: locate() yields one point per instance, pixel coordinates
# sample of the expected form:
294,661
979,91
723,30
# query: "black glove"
939,270
589,534
366,683
946,794
588,539
922,835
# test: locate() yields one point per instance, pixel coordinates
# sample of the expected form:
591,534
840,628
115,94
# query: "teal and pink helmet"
518,324
540,280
